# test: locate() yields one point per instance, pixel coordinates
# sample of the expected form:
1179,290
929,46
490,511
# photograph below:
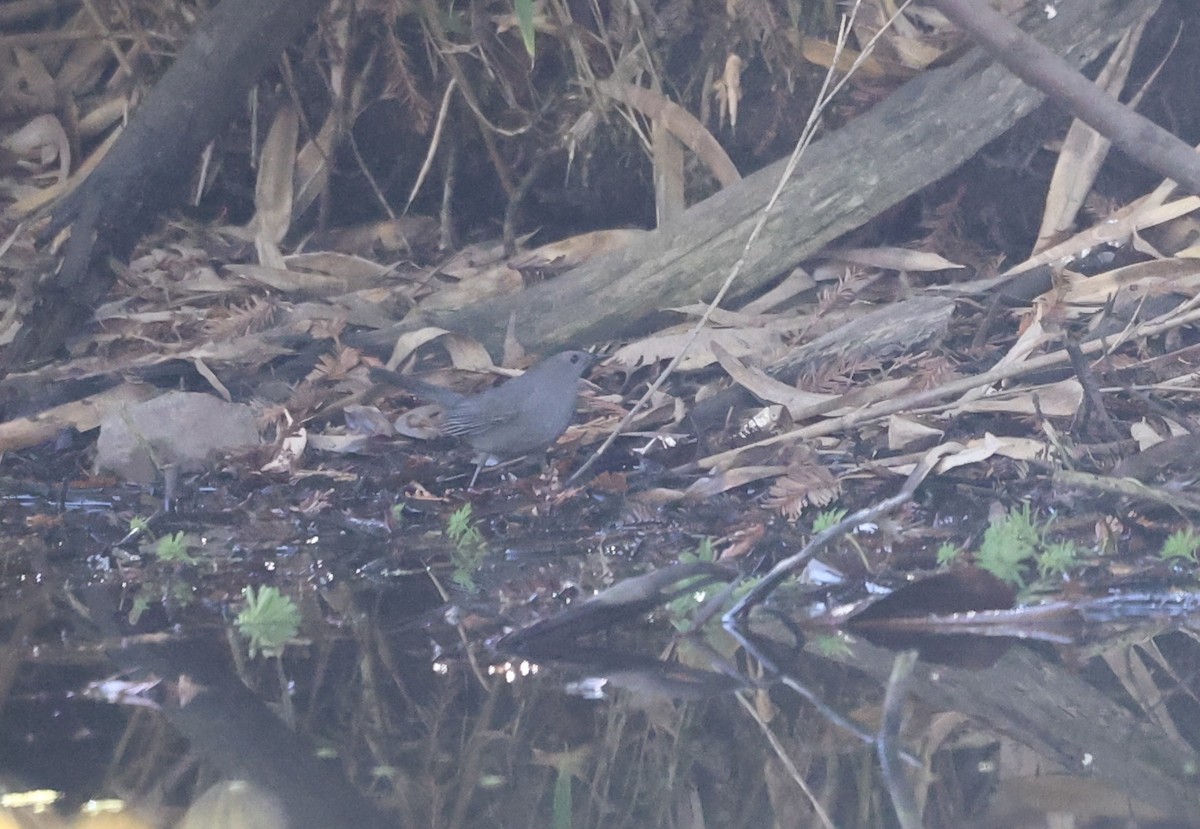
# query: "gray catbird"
522,415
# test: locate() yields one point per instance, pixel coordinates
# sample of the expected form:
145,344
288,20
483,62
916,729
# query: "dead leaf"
282,279
738,342
349,268
726,480
274,189
367,421
610,481
729,89
465,353
311,176
575,250
339,444
765,387
1060,399
725,318
1144,435
670,183
744,542
1124,287
43,139
1114,230
682,124
34,81
954,454
288,453
821,53
1031,339
904,431
40,198
893,259
1084,149
795,283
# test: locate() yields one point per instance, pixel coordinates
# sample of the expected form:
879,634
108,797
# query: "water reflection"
770,723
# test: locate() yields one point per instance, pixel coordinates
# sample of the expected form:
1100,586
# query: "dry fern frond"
257,315
402,84
806,482
337,365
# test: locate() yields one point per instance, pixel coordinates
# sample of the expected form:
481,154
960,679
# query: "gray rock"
183,429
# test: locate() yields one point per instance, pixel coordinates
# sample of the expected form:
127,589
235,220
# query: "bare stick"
1033,63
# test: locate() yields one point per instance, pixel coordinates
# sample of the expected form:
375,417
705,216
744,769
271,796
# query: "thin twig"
788,764
434,141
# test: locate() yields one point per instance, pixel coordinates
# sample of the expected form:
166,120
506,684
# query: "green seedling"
833,517
1015,546
827,519
141,603
1057,558
525,23
1008,545
1181,544
947,554
832,646
469,547
269,620
173,548
681,608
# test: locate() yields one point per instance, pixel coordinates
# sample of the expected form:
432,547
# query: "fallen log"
919,134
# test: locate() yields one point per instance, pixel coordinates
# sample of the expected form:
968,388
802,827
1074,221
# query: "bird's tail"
426,391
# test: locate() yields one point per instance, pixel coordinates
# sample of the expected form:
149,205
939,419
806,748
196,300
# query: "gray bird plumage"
522,415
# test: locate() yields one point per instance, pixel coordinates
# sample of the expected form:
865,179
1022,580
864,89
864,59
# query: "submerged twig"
904,799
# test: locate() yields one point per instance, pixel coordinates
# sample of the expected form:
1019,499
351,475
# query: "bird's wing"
476,414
